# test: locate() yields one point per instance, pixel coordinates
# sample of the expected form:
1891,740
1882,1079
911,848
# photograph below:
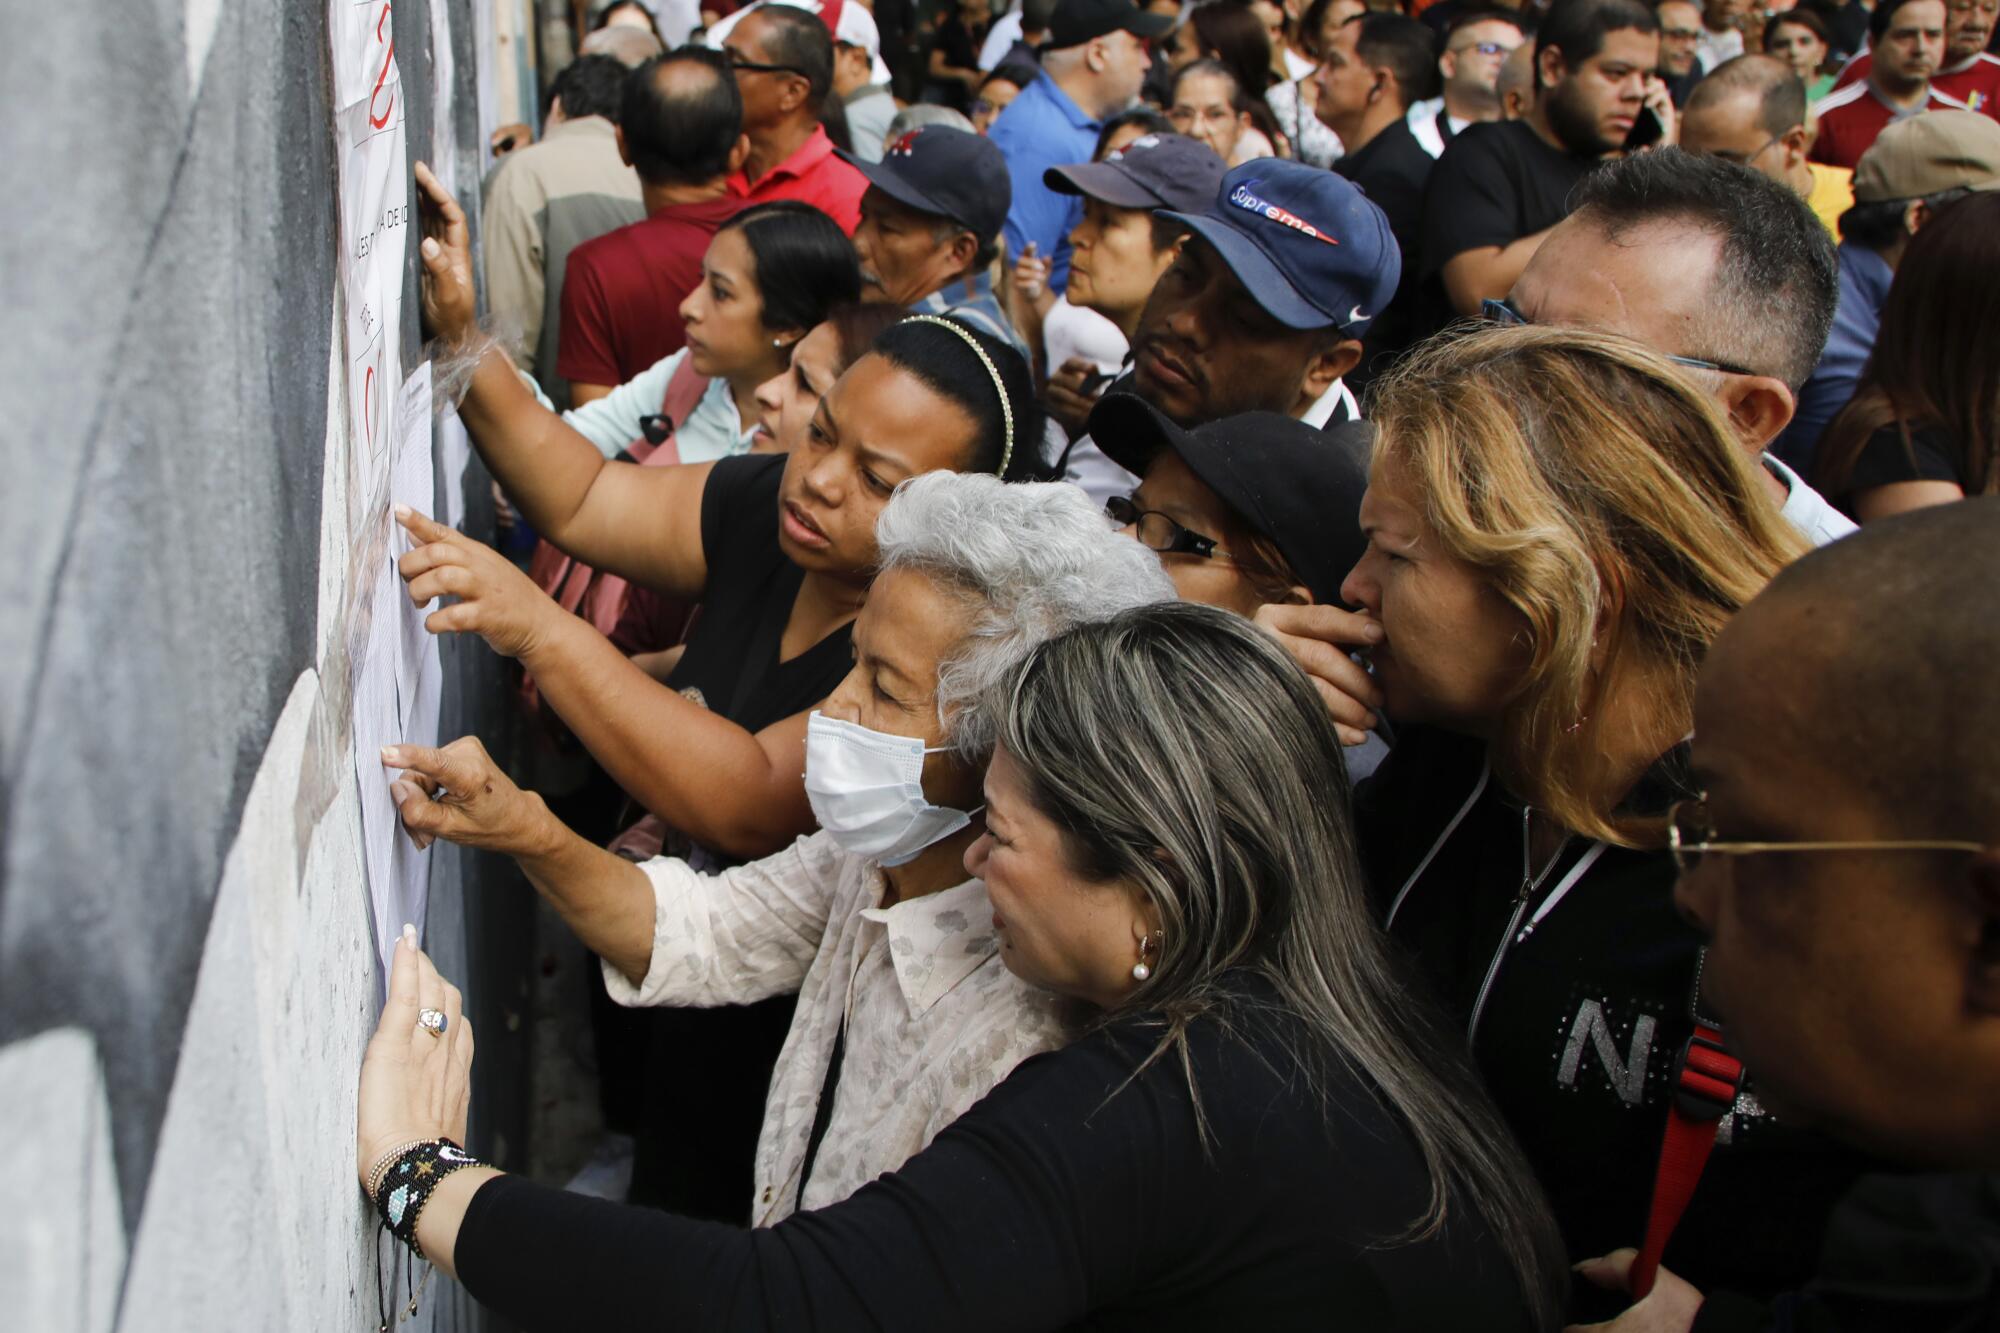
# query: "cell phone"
1647,130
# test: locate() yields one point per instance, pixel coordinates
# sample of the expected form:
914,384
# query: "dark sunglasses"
1506,312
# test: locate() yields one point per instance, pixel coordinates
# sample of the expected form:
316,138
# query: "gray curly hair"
1031,558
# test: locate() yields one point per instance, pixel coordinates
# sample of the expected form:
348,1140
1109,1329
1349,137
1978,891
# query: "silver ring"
432,1021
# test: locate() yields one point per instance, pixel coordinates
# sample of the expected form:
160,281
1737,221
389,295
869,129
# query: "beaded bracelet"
402,1190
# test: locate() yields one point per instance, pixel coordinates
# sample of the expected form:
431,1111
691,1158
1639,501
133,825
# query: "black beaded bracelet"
402,1190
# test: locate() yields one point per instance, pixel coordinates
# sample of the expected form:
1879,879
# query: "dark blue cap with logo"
1311,247
1153,171
946,171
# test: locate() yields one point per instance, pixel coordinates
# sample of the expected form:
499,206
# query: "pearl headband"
1006,407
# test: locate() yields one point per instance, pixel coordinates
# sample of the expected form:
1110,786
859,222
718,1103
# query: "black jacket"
1577,993
1902,1252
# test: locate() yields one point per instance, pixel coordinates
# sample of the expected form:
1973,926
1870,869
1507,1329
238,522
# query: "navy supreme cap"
1308,244
946,171
1078,21
1153,171
1287,481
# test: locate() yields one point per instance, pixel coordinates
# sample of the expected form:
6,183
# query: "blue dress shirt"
1043,128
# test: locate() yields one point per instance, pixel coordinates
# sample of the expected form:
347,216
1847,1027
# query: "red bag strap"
1706,1080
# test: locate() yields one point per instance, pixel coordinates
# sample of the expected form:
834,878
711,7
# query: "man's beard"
1574,123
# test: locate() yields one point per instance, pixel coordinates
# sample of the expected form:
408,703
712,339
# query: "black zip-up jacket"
1580,984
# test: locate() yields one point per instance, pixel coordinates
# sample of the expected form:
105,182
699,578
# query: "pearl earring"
1140,971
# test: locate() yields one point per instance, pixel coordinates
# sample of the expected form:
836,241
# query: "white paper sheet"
454,449
374,217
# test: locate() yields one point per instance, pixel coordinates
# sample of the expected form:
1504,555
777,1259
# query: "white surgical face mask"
867,790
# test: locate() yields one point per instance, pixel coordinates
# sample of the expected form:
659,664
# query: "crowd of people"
1230,670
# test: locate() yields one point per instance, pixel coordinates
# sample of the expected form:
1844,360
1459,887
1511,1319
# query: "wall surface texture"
187,977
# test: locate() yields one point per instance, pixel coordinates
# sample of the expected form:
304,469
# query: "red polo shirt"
622,292
1974,81
814,175
1851,117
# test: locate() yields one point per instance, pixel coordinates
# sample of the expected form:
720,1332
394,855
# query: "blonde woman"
1559,523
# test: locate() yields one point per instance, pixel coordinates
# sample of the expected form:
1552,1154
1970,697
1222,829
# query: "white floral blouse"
934,1019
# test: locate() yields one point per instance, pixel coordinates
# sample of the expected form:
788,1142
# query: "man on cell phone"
1499,188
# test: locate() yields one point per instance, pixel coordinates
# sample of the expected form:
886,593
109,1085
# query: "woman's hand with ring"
415,1084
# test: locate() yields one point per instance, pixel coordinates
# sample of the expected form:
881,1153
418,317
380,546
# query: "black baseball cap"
1299,486
1078,21
1153,171
946,171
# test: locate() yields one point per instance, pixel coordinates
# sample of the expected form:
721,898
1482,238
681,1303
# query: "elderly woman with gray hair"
905,1015
1260,1130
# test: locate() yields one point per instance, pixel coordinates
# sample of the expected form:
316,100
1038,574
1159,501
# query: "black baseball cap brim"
1106,182
1298,486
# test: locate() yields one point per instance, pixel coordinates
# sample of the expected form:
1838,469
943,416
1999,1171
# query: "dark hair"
1772,296
857,324
1309,26
799,39
1933,360
805,263
680,128
1460,22
1801,17
1228,31
1577,28
1150,119
1402,46
590,86
1167,231
1885,13
1017,72
1780,93
1036,15
603,19
941,360
1208,67
1880,224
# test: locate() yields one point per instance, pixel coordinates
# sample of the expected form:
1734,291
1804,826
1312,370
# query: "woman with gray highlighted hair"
1260,1130
906,1015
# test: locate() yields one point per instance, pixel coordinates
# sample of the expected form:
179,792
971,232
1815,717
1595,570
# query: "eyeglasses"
1487,48
738,65
1507,313
1691,836
1743,159
1161,533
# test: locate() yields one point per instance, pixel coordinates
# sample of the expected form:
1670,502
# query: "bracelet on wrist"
406,1183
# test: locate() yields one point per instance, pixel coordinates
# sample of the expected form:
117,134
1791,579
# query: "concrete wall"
186,972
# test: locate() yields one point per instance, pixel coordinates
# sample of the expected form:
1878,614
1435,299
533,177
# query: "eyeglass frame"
738,65
1687,855
1485,49
1506,313
1186,541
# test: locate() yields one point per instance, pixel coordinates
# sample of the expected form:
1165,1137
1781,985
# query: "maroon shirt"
622,292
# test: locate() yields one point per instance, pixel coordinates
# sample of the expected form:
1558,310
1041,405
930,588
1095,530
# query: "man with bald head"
1845,862
1516,86
681,128
1752,111
1713,265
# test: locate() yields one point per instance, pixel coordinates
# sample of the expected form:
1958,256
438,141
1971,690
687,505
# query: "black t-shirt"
1887,458
732,654
1392,169
1496,183
1077,1194
1580,1019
